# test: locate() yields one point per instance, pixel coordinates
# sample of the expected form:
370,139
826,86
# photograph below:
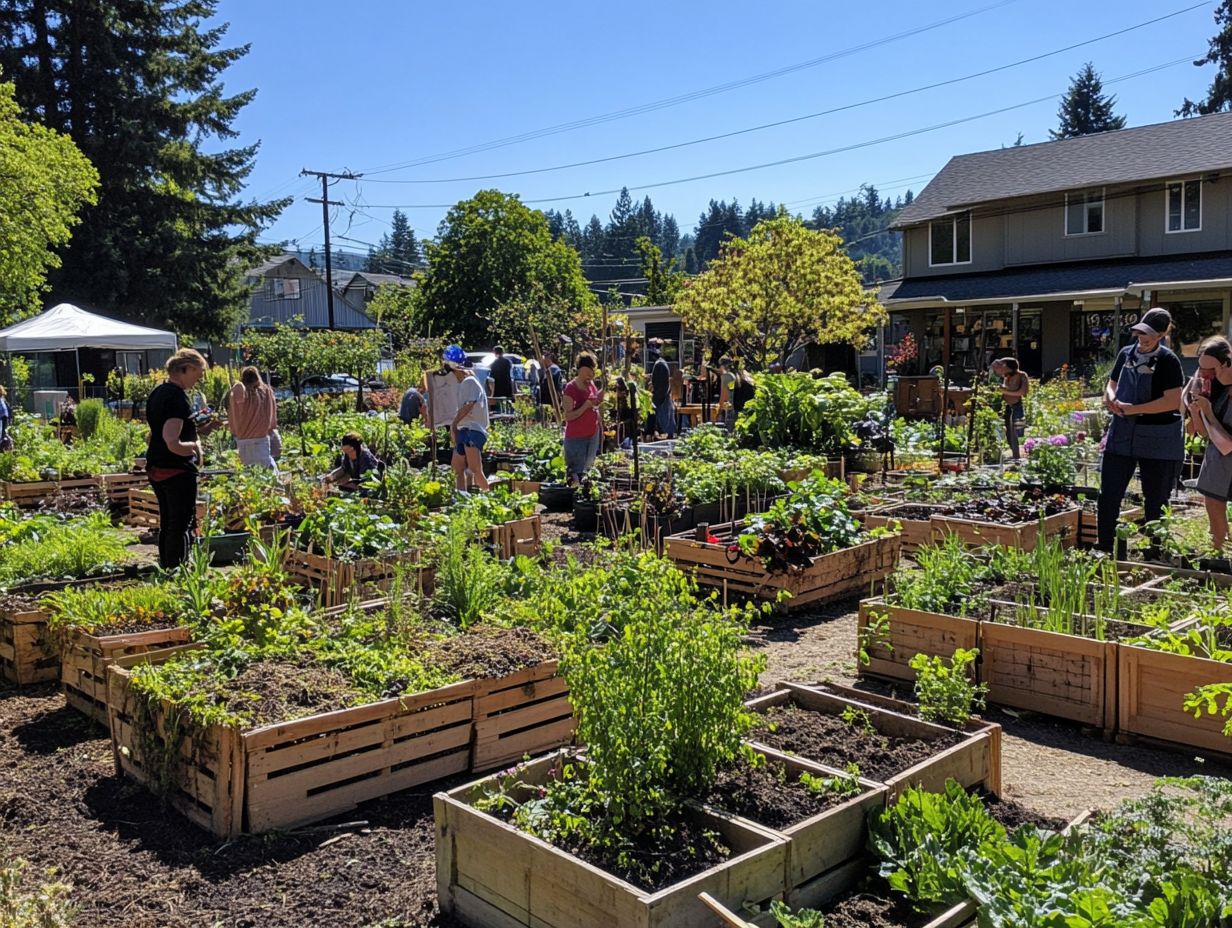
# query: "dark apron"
1128,436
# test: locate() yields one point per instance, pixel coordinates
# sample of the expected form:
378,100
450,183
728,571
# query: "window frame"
953,219
285,288
1086,202
1168,206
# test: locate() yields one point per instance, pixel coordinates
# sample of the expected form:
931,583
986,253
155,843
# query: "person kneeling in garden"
356,464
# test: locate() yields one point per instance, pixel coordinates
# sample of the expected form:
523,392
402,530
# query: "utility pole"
326,203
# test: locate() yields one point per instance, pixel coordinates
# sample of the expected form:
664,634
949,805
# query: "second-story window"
1185,206
284,288
950,240
1084,212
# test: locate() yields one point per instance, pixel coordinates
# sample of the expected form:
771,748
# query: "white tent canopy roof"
66,327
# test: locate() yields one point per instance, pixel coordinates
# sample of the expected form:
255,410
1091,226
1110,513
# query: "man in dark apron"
1145,433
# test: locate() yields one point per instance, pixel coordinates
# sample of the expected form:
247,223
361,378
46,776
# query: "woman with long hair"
252,413
1208,401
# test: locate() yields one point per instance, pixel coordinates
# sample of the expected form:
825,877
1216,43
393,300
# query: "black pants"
1158,481
177,517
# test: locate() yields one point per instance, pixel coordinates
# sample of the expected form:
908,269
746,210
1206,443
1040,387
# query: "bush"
89,414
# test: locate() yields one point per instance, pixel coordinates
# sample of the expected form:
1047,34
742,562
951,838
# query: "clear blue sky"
376,83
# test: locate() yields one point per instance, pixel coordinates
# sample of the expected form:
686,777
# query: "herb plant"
946,693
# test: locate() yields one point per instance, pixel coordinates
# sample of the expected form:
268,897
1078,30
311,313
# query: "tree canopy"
138,86
493,250
1219,94
783,287
1086,109
397,252
44,181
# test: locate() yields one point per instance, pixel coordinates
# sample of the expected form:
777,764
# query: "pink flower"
1029,445
1059,440
1078,416
1080,436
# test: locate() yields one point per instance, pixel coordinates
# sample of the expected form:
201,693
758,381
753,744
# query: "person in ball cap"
1145,433
469,427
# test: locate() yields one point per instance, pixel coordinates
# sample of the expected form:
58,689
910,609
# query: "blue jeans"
470,438
580,454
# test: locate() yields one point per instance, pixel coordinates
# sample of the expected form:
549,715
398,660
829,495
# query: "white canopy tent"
66,328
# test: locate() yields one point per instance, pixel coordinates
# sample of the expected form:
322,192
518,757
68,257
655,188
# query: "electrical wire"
681,98
794,119
796,159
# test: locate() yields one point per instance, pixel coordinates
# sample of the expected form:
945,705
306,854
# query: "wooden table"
694,412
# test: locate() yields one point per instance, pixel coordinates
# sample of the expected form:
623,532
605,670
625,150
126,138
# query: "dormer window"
1184,206
1084,212
949,240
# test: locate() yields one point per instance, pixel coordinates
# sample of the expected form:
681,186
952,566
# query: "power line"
681,98
794,119
806,157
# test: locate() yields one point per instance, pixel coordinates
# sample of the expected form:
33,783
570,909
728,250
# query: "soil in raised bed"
1011,814
827,739
279,691
485,652
871,905
764,796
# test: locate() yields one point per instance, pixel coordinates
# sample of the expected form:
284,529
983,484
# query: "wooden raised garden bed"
143,507
973,760
1022,535
336,581
289,774
27,655
35,493
521,536
117,487
890,647
1152,686
1088,523
916,531
828,577
84,659
489,873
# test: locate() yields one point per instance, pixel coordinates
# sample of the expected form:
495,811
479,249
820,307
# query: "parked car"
482,361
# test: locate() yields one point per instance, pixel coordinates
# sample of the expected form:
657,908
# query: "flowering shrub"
1051,461
902,354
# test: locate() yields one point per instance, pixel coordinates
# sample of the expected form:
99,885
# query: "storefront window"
1193,323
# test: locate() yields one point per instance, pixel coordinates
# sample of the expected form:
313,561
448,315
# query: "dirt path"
136,866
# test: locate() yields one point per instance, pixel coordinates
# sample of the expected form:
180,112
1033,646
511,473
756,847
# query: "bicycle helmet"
454,356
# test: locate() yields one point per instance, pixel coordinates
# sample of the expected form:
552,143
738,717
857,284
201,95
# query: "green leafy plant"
800,918
842,784
944,691
45,905
813,520
76,548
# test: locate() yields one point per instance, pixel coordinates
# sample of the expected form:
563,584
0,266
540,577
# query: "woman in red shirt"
583,425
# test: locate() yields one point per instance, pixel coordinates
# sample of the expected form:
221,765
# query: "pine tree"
1219,95
403,249
592,240
670,238
1085,109
138,86
571,232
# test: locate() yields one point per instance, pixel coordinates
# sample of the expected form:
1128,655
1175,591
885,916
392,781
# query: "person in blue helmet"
469,427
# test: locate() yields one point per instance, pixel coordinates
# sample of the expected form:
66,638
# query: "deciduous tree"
783,287
44,181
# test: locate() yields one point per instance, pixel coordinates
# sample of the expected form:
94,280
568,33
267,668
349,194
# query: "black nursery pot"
585,514
556,497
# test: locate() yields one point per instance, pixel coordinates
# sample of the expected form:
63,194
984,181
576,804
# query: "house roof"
1169,149
1061,281
262,269
379,279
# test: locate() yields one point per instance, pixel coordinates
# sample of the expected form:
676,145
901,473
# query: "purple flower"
1078,416
1059,440
1029,445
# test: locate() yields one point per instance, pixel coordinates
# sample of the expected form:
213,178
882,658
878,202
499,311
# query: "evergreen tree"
1219,95
1085,109
313,261
719,222
592,240
670,237
403,248
690,261
138,86
571,232
863,222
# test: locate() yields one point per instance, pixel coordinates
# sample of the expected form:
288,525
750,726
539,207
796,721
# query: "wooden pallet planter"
143,508
27,655
1152,686
909,632
293,773
35,493
1088,523
1067,676
117,487
916,532
970,761
828,577
527,712
337,581
521,536
84,659
1022,535
491,874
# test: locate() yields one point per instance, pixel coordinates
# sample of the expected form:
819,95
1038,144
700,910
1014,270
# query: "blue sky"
378,83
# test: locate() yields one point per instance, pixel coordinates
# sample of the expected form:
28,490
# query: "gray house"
361,286
1048,252
285,287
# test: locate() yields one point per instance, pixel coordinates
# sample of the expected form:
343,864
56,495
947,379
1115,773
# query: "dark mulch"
1011,814
559,527
769,795
829,740
279,691
486,652
872,906
134,865
131,628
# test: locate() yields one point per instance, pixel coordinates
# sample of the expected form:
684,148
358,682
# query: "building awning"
1074,281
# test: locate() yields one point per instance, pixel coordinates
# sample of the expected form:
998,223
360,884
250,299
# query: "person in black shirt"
1145,434
173,456
501,375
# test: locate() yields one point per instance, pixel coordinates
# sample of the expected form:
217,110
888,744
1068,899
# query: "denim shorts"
470,438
